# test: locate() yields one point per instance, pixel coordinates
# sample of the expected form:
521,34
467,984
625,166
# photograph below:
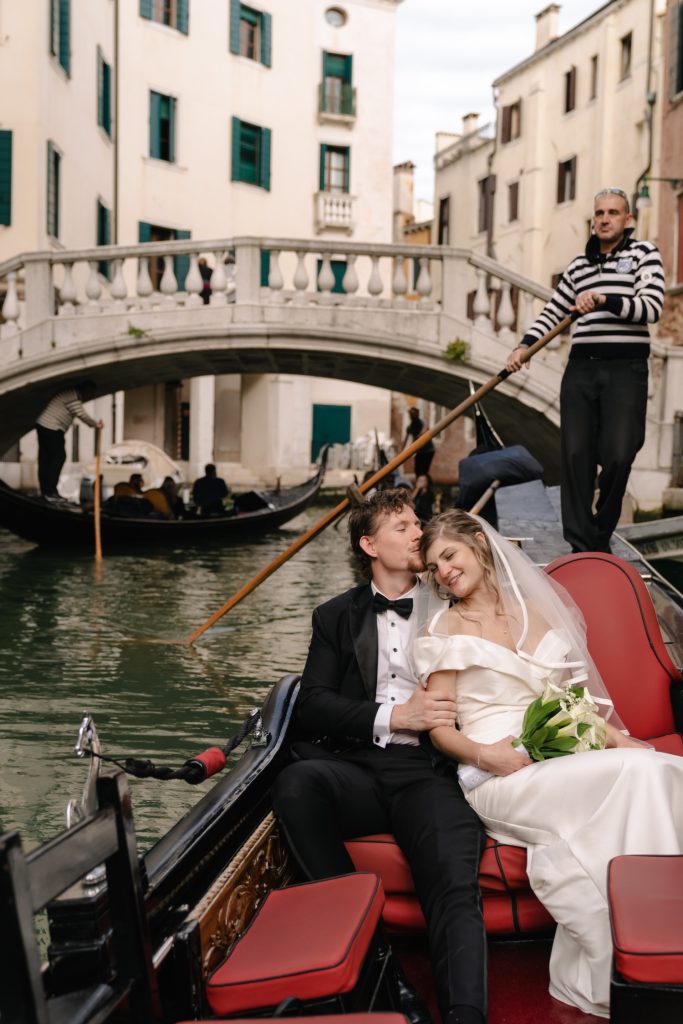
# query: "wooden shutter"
183,16
144,232
235,8
5,177
171,128
572,178
264,159
676,51
323,156
155,125
181,264
265,267
65,35
236,131
266,39
106,97
347,169
507,120
146,9
52,191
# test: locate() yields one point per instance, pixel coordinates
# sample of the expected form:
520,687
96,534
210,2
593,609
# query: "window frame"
511,122
60,33
54,179
570,83
160,142
250,172
341,172
566,180
676,52
261,21
594,76
104,94
443,224
485,192
625,56
513,201
6,146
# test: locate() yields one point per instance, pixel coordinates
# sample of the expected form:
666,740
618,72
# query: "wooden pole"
98,497
397,461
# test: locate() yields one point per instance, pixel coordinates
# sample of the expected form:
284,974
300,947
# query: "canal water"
75,639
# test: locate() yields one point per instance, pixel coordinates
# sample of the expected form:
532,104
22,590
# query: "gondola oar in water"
98,496
393,464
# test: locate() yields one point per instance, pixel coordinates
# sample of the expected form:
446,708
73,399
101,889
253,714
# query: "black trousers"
51,458
320,803
423,461
602,408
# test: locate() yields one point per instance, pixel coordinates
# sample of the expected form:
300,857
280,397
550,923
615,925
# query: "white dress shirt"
396,681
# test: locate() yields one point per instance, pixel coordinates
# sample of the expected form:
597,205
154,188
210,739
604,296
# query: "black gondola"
67,525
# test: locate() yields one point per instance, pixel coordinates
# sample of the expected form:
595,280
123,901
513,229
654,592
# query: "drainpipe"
650,99
115,197
490,248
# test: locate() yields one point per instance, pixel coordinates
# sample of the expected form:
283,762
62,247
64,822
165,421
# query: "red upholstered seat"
307,941
337,1018
626,643
645,896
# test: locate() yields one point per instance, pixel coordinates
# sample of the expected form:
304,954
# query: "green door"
331,425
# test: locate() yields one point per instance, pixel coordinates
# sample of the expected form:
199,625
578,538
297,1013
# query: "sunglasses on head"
616,192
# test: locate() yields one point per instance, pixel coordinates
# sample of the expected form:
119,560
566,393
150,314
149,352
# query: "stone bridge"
387,315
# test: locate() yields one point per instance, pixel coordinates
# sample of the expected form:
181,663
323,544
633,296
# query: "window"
60,32
103,93
54,161
250,153
676,51
513,201
679,254
566,180
335,164
250,33
157,233
511,125
570,90
5,177
625,61
335,17
103,234
486,188
162,127
173,13
594,77
443,226
337,95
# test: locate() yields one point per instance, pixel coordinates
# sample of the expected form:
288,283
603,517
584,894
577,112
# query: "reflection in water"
71,642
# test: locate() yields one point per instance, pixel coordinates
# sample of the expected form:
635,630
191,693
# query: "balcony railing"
334,210
337,99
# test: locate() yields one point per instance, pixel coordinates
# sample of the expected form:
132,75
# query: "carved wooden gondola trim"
226,909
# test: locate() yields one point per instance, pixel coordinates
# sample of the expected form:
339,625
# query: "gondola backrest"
28,883
625,641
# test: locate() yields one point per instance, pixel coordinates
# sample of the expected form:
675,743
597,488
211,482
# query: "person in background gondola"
415,429
209,491
51,426
423,498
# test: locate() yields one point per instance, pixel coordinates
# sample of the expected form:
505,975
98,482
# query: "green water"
70,641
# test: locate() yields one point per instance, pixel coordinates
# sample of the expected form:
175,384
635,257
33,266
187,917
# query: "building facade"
147,120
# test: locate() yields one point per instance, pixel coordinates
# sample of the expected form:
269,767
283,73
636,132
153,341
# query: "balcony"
335,210
336,102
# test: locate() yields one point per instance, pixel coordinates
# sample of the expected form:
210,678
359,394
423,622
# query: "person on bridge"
209,491
415,429
51,426
617,287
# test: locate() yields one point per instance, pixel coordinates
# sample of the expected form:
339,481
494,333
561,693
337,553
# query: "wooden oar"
488,493
397,461
98,498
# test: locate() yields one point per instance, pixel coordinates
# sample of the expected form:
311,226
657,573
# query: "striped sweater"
61,410
632,279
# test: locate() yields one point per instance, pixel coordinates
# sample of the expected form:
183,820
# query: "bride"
502,631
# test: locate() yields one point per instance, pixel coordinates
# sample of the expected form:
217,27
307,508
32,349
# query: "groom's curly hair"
364,519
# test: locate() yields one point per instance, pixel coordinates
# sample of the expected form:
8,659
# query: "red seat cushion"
307,941
338,1018
646,909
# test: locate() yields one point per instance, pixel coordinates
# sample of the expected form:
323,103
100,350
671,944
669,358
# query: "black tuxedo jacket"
339,681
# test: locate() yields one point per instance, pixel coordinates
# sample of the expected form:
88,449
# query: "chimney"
470,123
547,22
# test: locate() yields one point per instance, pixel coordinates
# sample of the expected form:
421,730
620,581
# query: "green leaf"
564,743
582,727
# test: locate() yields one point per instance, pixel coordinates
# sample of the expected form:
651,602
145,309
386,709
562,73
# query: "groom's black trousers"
320,802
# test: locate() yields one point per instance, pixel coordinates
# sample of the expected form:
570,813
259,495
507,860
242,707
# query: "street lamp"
643,199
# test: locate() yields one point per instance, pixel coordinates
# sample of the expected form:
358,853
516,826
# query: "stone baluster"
326,279
424,280
67,292
93,288
169,284
482,304
194,284
119,289
219,281
10,308
350,281
399,284
506,314
300,279
276,281
375,285
528,309
144,286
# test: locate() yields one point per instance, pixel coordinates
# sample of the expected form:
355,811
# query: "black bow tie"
402,607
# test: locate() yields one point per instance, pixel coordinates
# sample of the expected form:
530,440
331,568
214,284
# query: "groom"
369,773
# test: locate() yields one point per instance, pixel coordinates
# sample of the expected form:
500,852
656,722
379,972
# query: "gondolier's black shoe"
464,1015
409,1002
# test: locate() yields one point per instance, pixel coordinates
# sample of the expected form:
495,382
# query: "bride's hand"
501,758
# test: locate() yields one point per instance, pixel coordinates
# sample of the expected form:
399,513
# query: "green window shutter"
106,97
235,7
146,9
65,34
5,177
144,232
323,154
264,154
171,129
336,65
155,124
181,264
183,16
100,87
265,267
236,132
266,39
52,218
347,169
54,28
103,234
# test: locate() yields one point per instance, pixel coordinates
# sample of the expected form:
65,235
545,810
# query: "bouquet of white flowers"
561,721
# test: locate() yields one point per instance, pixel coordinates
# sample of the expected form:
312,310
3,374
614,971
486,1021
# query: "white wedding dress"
572,813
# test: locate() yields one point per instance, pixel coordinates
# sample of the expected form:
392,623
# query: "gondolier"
617,286
51,426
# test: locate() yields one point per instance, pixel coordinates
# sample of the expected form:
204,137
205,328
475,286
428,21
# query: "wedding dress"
573,813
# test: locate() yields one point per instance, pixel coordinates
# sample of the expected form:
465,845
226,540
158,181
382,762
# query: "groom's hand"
425,709
501,758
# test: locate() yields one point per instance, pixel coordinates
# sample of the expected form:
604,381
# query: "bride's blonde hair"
458,525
